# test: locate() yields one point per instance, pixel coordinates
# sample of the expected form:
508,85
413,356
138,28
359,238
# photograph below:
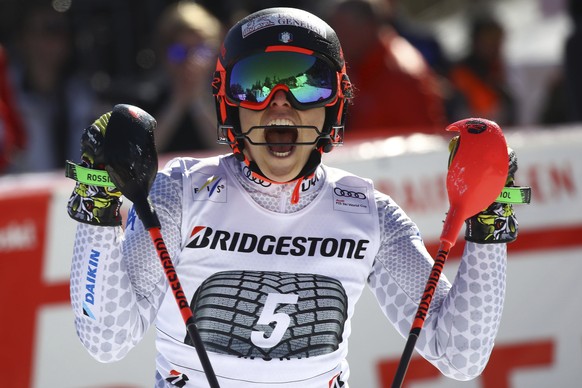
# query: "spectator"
396,91
189,38
55,101
12,137
422,39
480,79
563,98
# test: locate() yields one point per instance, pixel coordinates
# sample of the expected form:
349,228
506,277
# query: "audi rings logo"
348,193
351,199
252,178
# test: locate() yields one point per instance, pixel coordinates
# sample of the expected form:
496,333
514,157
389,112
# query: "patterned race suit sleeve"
463,319
117,282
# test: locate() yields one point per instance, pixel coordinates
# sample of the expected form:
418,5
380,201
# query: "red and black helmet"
292,41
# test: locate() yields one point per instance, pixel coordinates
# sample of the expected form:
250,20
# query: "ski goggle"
311,81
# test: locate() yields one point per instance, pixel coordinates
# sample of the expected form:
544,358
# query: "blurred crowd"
65,62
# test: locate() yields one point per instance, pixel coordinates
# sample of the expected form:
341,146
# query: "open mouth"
281,137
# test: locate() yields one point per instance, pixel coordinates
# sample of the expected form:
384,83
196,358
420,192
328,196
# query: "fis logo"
213,188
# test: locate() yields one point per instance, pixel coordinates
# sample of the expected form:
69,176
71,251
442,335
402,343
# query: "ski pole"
132,164
476,177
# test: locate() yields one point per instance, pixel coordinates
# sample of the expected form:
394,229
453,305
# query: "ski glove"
97,204
497,223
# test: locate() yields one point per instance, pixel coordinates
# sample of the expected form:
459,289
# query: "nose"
280,99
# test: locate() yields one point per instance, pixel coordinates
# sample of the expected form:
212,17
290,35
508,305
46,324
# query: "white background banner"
539,343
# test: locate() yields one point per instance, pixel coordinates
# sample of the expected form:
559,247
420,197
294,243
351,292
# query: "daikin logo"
91,278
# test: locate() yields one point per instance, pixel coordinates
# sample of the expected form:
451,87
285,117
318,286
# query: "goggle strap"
345,85
223,113
340,112
217,83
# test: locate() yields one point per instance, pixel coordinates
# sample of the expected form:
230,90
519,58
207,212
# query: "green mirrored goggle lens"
310,79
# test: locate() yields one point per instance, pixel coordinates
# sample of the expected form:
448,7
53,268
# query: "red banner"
23,228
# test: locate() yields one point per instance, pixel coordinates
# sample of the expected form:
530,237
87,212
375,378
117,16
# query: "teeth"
281,154
280,122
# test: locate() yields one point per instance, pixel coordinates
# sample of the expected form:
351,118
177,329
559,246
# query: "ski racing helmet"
281,49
